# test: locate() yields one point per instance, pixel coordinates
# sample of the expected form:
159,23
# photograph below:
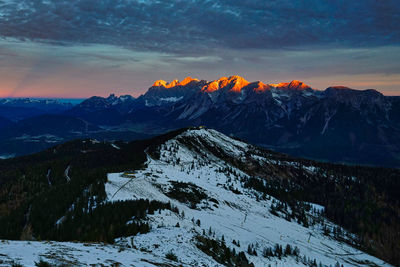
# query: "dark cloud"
189,26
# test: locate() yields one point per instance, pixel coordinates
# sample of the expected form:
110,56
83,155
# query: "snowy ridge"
230,210
200,162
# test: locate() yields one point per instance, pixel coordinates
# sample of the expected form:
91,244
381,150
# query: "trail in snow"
66,173
48,177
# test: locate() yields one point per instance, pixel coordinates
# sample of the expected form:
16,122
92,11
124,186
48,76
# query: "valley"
338,124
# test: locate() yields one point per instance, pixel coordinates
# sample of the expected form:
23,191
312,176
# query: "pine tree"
288,250
249,250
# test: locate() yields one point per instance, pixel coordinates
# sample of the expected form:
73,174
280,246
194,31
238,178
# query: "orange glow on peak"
299,85
160,83
187,80
172,84
294,85
223,83
261,87
211,87
235,83
279,85
165,84
238,83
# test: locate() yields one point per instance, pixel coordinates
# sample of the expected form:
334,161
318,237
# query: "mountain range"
16,109
337,124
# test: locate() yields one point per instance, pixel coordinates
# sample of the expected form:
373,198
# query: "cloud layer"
79,48
36,69
195,26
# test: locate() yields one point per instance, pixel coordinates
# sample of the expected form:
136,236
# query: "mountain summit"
293,85
337,124
234,83
292,117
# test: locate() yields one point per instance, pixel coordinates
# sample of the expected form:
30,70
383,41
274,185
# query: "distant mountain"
44,104
20,108
338,124
163,93
194,197
102,111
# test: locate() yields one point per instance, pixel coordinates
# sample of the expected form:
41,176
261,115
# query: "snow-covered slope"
198,172
232,212
28,253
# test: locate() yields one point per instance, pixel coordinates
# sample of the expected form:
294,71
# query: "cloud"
191,27
90,47
36,69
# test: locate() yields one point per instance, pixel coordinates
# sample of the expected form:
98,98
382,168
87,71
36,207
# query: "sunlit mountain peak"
294,85
187,80
165,84
260,86
235,84
160,83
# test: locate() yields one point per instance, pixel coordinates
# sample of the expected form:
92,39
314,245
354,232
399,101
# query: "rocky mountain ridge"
338,124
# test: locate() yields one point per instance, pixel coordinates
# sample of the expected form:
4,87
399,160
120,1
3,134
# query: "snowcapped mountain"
34,102
163,93
104,111
338,124
98,103
218,213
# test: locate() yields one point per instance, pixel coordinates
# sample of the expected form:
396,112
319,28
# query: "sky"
81,48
